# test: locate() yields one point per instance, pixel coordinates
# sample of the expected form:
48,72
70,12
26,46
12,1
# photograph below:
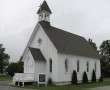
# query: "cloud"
88,18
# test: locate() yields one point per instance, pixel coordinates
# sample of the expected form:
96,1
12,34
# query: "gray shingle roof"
69,43
37,54
44,7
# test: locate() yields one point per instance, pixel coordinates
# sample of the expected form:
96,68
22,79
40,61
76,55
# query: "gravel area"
4,86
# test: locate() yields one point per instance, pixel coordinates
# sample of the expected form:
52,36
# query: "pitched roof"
44,7
69,43
37,54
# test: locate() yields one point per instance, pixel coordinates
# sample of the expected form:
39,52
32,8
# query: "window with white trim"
78,66
87,66
95,66
50,65
66,65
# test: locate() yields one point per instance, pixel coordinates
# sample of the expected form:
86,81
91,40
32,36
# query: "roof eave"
44,11
98,57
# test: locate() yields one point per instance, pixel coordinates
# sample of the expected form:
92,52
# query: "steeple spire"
44,7
44,12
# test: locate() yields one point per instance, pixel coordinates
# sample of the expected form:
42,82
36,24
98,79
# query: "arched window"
66,65
78,66
45,16
95,66
50,63
87,66
41,16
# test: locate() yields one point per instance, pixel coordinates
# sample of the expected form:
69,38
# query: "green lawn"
5,77
106,82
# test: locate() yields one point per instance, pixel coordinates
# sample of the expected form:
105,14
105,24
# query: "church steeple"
44,12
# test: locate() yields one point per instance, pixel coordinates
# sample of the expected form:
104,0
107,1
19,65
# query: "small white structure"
57,53
42,79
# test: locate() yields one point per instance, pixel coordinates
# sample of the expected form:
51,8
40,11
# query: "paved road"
4,86
101,88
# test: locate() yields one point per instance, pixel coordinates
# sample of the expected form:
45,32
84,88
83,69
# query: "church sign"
42,79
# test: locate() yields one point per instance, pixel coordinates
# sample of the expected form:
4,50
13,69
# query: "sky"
87,18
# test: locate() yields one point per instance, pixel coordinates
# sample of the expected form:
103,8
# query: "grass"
106,82
5,78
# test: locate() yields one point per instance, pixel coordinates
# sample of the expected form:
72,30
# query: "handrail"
23,77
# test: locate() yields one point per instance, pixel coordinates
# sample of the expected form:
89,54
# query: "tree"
4,59
105,51
74,77
105,57
106,70
20,63
16,67
12,68
85,78
93,76
93,44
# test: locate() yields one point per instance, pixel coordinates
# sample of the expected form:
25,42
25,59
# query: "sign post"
42,79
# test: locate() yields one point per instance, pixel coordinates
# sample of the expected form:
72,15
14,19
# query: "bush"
50,81
85,78
101,78
74,77
93,76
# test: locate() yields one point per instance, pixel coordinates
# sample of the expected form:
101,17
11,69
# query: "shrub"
74,77
85,78
50,81
101,79
93,76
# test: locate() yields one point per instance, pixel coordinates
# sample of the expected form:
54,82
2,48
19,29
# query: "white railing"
23,77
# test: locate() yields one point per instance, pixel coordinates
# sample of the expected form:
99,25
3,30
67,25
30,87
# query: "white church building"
57,53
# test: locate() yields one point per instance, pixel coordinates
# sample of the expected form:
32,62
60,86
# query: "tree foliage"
85,78
74,77
15,67
93,76
105,57
93,44
4,59
105,51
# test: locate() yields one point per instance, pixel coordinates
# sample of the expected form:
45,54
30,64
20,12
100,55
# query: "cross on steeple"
40,7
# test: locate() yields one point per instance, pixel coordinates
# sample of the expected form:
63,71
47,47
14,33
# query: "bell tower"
44,12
